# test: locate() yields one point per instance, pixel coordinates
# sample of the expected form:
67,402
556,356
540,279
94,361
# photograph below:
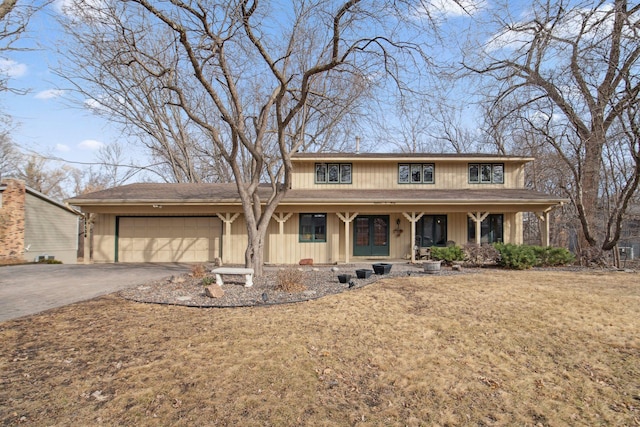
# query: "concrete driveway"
32,288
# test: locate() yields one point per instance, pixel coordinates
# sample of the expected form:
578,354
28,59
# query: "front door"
371,236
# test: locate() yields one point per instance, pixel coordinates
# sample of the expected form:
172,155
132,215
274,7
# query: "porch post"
346,218
413,217
88,220
228,219
281,218
544,228
478,217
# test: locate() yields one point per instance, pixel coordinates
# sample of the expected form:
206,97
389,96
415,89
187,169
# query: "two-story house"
342,207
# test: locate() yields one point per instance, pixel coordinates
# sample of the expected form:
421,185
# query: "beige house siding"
286,248
104,238
384,175
384,196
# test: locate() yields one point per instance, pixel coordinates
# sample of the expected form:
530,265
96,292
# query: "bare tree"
248,76
14,18
570,72
44,176
9,155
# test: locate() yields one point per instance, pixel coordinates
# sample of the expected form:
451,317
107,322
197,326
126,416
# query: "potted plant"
344,278
363,273
381,268
431,267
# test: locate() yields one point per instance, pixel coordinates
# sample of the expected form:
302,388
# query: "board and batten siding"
384,175
50,230
104,238
287,248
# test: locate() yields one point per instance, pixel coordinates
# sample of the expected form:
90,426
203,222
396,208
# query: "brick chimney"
12,215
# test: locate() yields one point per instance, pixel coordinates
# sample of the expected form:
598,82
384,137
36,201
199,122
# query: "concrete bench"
246,272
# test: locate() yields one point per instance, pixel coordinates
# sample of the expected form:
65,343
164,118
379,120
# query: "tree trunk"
254,254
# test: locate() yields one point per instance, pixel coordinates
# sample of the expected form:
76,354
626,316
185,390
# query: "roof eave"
409,159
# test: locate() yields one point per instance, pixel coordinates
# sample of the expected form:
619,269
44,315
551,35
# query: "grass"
524,348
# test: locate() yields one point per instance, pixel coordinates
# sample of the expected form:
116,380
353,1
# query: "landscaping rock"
306,261
214,291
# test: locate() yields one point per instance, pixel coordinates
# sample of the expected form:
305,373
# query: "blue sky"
45,121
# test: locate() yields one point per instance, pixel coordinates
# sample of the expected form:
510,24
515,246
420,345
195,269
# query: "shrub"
517,257
477,255
290,280
49,261
198,271
447,254
548,256
208,281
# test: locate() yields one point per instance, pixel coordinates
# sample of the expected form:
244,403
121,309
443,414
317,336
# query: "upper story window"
333,173
486,173
416,173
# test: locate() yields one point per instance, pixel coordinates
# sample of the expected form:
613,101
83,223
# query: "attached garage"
168,239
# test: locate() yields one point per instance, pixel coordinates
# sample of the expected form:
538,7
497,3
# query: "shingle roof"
159,192
148,193
409,156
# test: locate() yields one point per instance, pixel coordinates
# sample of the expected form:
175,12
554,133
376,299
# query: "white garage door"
168,239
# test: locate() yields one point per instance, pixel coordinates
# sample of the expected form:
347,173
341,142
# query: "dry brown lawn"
489,348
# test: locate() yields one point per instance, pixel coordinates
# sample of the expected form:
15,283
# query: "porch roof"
227,194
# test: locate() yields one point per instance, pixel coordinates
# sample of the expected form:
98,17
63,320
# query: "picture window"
313,227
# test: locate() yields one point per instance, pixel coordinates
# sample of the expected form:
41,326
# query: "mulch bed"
319,281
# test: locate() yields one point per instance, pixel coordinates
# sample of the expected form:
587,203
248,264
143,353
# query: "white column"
228,219
281,218
346,218
478,217
413,217
88,220
544,227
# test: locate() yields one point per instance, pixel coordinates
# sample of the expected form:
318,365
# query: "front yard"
489,348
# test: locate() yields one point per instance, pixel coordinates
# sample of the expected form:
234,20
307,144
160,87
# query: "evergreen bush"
516,257
447,254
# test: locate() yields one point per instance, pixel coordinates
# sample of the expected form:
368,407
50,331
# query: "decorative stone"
315,269
334,269
217,262
214,291
306,261
456,267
